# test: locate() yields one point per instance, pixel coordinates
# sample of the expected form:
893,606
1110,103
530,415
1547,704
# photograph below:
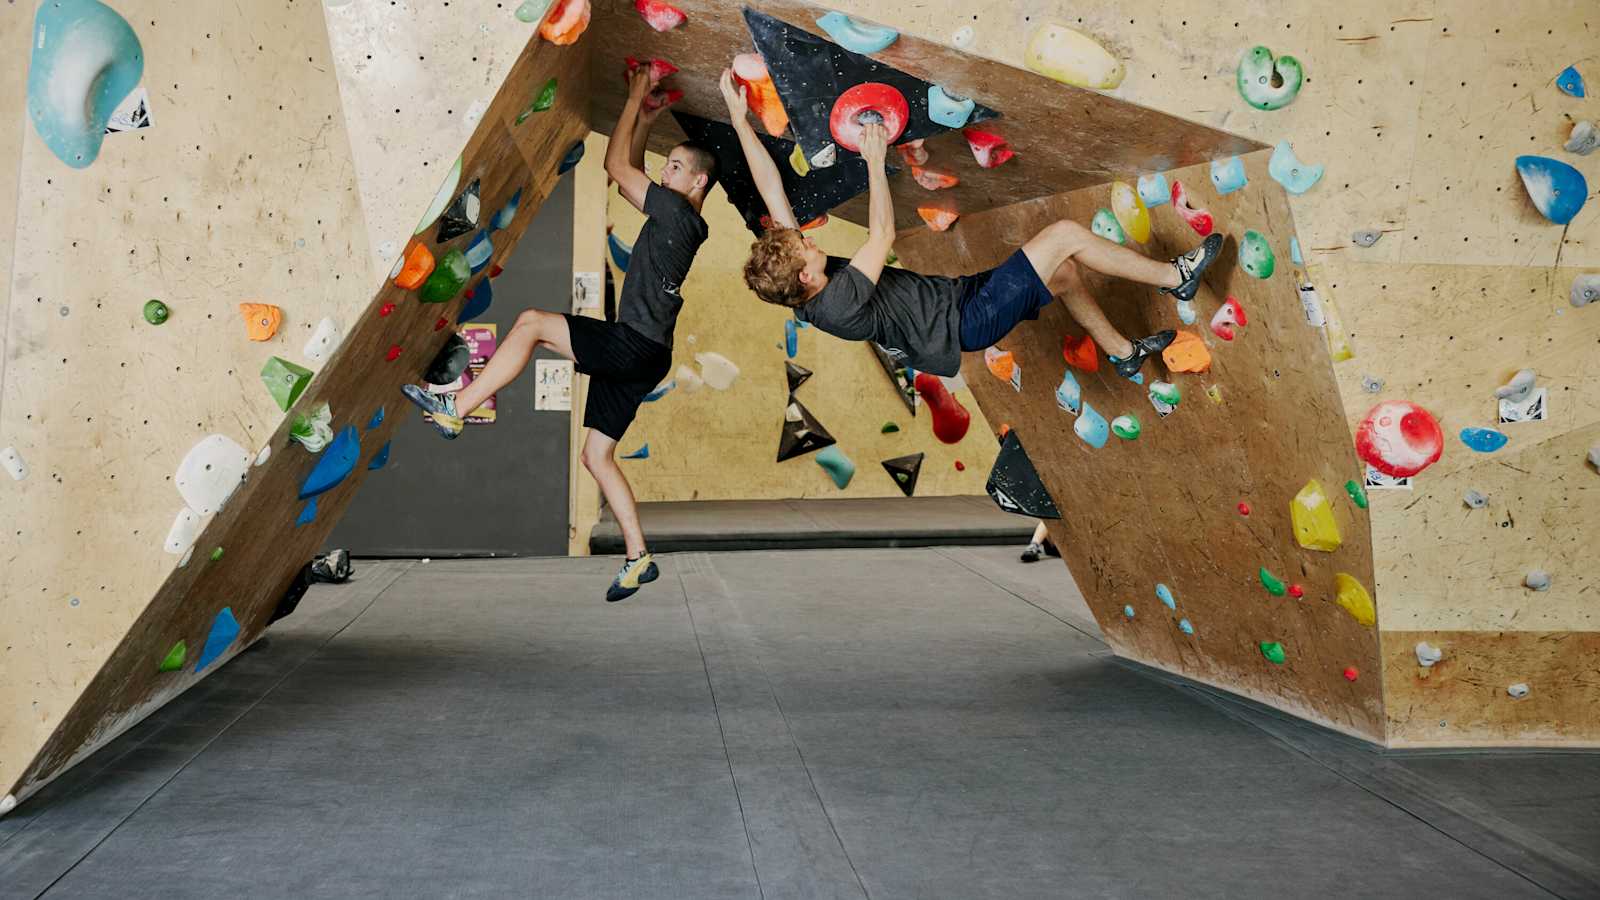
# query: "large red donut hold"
1399,438
872,101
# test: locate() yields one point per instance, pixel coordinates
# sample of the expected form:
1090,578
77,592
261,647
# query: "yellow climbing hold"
1130,211
799,163
1354,598
1073,57
1314,525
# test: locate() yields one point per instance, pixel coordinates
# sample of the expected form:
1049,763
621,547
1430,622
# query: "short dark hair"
705,162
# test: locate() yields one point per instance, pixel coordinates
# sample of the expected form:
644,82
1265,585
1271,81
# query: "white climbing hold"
1518,690
1428,654
1475,499
825,157
210,472
187,555
1585,290
1584,140
689,379
1537,580
962,39
185,528
14,466
718,371
474,113
323,341
1371,384
264,455
1518,388
1366,237
1594,457
8,804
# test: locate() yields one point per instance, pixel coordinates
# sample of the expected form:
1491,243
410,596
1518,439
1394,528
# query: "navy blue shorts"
995,301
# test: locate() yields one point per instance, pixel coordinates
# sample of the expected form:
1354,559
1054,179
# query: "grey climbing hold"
1594,457
1475,499
1518,690
1585,289
1366,237
1537,580
1518,388
1584,140
1371,384
12,462
1428,654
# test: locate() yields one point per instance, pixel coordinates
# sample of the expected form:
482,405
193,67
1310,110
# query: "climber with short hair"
928,321
627,358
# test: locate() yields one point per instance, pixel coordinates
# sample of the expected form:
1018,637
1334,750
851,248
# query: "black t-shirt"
917,318
662,255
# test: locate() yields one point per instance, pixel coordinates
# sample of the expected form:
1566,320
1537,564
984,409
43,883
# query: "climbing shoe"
1143,349
1034,553
634,574
442,407
1192,265
1050,549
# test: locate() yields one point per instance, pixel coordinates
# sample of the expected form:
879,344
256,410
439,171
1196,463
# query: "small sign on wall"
586,293
552,390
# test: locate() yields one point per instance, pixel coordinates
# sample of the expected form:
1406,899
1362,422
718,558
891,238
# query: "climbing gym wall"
159,547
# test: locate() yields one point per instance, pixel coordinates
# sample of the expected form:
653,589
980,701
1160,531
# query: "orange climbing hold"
566,22
419,265
818,222
1187,353
750,70
1003,365
938,219
913,153
261,320
934,180
950,418
1080,353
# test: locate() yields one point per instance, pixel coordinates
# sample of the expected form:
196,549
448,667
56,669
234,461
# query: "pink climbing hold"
990,150
660,16
1399,438
1198,219
950,418
1229,314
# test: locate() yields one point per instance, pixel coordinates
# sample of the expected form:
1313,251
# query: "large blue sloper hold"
224,629
478,300
86,60
1556,189
621,252
335,464
379,459
857,37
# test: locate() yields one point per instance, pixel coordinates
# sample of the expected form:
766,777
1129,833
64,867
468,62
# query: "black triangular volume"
797,375
451,361
810,195
1014,483
462,216
802,433
904,471
899,376
810,73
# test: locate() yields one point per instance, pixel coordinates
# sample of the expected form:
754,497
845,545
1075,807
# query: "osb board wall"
263,547
1065,137
15,31
723,445
1162,508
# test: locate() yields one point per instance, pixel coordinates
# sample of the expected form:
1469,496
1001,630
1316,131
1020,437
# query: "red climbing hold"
1399,438
1244,509
934,180
1351,673
950,418
990,150
661,99
1080,353
495,270
385,309
960,467
1296,591
659,68
660,16
865,104
1229,314
440,324
1198,219
913,153
393,354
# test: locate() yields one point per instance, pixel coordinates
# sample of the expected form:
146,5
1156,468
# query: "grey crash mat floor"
817,524
930,723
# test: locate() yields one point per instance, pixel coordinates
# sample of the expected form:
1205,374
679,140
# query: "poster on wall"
552,389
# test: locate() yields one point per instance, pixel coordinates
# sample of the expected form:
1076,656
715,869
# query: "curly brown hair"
773,270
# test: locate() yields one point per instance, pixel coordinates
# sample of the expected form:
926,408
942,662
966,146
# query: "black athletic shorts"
622,364
996,301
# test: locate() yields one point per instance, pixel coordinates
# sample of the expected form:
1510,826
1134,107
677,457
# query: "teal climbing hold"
1092,427
951,112
379,459
447,280
533,11
837,465
1185,627
1227,175
1294,252
1483,440
285,381
642,453
334,465
478,252
1105,224
1557,190
1164,594
308,513
1570,82
1128,611
1068,395
224,629
1153,190
86,60
508,213
1287,170
857,37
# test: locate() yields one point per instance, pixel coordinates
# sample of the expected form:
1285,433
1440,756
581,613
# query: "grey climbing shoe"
442,407
1143,349
1034,553
1192,265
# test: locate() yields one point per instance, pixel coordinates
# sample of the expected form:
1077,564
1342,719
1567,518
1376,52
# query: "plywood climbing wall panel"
1162,509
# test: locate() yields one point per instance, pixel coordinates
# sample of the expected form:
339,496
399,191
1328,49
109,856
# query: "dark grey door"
499,489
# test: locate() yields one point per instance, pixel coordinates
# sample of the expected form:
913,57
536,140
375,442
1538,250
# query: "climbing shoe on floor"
442,407
1143,349
635,573
1034,553
1192,265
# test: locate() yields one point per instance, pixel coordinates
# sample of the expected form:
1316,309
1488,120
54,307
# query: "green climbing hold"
448,278
1358,494
892,259
285,381
1267,83
890,428
216,554
156,312
1125,427
545,100
1273,651
1106,225
533,11
1255,255
1272,584
1166,392
175,657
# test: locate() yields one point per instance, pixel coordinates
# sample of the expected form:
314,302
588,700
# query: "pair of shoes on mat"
636,573
440,407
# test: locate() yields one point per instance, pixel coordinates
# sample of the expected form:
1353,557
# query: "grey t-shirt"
917,318
661,258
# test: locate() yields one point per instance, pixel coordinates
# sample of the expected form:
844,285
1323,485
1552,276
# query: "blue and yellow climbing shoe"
635,573
441,407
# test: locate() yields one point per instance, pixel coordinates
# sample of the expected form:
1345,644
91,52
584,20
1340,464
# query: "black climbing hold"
797,375
450,363
899,376
1014,482
802,433
904,470
462,216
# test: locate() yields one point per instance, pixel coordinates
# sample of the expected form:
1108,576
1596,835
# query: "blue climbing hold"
791,338
837,465
1557,189
478,299
1164,594
855,36
308,513
570,161
379,460
951,112
621,253
1092,427
507,213
1128,611
1570,81
86,60
1287,170
1185,627
479,251
376,420
224,628
335,463
641,453
1227,175
1068,395
1483,440
1294,252
660,391
1153,190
